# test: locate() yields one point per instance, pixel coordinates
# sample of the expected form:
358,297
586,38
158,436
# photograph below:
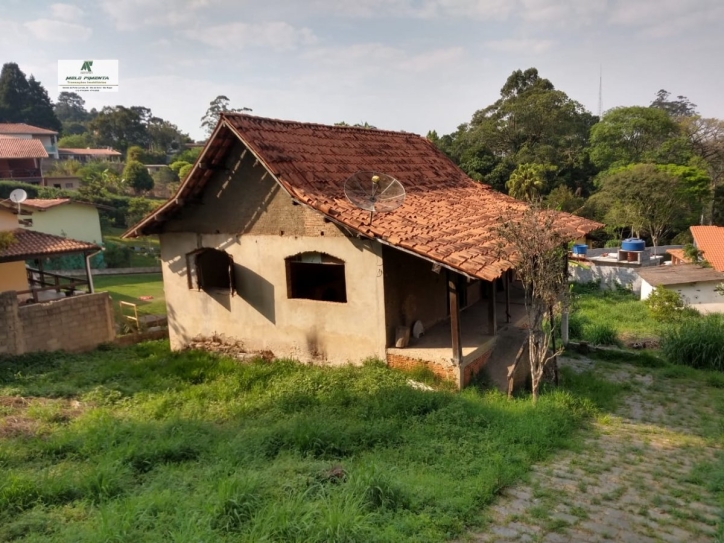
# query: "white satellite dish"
374,192
18,196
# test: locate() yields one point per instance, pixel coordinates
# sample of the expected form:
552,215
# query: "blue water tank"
633,244
580,249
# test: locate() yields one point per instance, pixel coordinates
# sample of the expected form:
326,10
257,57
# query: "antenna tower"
600,92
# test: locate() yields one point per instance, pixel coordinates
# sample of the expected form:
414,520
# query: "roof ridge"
322,125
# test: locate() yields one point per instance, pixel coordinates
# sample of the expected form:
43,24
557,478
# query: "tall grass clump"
600,334
698,343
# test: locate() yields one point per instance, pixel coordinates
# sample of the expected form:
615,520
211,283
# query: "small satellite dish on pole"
374,192
18,196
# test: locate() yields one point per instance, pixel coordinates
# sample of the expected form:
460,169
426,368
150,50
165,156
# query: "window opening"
210,270
316,276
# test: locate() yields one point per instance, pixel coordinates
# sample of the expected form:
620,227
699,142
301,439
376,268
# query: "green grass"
128,288
598,311
192,447
113,235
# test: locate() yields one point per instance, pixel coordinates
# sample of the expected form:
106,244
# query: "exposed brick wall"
400,362
77,323
473,368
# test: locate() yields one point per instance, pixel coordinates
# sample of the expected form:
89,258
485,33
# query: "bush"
666,305
117,256
698,343
600,334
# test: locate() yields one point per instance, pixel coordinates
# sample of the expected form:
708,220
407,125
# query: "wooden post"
553,345
457,346
508,318
564,309
40,269
492,314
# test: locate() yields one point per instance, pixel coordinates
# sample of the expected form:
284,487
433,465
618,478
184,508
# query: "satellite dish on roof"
374,192
18,196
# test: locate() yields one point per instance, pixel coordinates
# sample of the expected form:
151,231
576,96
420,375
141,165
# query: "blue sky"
409,65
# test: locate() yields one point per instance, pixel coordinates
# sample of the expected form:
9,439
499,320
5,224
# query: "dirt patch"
20,416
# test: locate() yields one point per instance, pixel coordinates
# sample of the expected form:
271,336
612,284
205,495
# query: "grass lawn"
128,288
618,310
141,444
113,235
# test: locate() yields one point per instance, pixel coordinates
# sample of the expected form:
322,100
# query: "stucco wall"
75,221
13,276
700,296
261,315
8,220
412,291
609,276
242,198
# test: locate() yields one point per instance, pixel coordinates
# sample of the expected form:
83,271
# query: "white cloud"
66,12
133,14
276,35
520,45
666,18
58,31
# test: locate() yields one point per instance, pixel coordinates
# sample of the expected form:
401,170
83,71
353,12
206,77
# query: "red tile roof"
31,244
446,217
22,128
710,240
21,148
88,152
39,204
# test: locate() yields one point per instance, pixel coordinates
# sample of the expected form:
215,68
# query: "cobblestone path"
631,479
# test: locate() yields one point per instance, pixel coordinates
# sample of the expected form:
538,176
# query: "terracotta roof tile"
22,128
88,152
28,243
446,216
710,240
38,203
678,275
21,148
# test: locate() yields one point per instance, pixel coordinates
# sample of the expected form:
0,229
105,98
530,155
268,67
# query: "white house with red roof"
49,138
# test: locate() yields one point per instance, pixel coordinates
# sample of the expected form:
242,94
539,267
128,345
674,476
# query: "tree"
136,176
6,239
25,100
532,122
681,107
138,208
629,135
120,127
217,106
706,138
164,136
643,198
528,181
356,125
76,141
70,108
563,199
532,240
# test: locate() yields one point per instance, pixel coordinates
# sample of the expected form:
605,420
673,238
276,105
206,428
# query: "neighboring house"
88,155
65,182
153,168
695,284
61,217
48,138
710,241
21,159
260,245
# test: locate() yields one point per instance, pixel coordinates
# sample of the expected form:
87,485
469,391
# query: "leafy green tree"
187,155
76,141
120,127
643,198
528,181
679,107
136,176
184,171
706,139
6,239
217,106
629,135
666,305
25,100
562,198
70,108
165,137
532,122
138,208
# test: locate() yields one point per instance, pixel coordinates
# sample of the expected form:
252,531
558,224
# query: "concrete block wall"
77,323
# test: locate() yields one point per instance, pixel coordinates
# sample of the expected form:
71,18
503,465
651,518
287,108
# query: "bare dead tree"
533,241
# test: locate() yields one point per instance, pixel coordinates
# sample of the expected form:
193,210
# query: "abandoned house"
261,245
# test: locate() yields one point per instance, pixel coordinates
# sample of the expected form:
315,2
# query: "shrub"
600,334
117,255
698,343
666,305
